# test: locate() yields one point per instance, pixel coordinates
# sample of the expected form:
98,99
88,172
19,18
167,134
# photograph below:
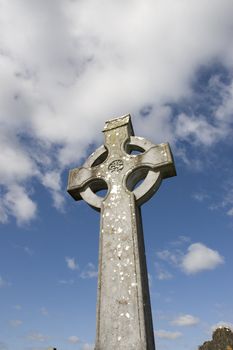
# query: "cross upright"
124,320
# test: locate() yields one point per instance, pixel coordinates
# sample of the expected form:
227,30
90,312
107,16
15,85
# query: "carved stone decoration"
124,319
116,166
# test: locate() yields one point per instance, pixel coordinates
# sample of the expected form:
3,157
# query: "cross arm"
78,179
90,174
154,164
159,158
156,157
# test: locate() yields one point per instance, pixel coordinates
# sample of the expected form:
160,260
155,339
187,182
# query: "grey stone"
222,339
124,319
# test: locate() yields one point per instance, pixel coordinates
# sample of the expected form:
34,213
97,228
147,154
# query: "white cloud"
71,264
15,163
69,282
73,339
181,240
172,257
200,196
90,271
37,337
52,181
63,74
198,130
224,111
167,334
87,346
162,274
3,214
199,257
186,320
17,203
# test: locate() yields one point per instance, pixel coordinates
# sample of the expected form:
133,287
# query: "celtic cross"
124,319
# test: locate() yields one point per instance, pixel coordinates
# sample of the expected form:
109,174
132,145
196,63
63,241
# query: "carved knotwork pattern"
116,166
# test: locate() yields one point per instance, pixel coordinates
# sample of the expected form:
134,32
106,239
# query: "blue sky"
66,67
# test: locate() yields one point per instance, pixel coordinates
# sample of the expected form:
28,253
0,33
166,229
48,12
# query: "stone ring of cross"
133,176
115,166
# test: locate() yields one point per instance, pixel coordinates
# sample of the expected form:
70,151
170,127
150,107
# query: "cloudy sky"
66,66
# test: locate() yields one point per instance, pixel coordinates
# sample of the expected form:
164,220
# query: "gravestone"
222,339
124,319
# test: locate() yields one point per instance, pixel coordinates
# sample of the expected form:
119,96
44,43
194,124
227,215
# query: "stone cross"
124,319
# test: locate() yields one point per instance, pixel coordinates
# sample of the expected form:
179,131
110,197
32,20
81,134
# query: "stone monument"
222,339
124,319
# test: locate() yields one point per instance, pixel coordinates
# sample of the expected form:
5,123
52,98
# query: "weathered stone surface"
124,319
222,340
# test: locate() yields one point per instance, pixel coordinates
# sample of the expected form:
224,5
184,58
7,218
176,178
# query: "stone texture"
222,340
124,319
